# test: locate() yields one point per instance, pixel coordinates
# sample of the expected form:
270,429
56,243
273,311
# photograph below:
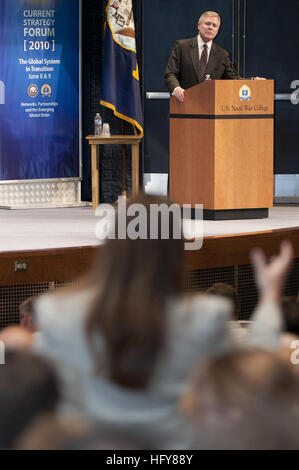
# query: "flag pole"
123,164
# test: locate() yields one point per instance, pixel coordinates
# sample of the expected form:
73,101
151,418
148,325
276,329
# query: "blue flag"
120,82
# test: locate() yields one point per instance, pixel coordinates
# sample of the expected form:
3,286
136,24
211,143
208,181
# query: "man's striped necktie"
203,63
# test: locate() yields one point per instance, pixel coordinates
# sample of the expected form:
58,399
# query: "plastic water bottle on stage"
97,124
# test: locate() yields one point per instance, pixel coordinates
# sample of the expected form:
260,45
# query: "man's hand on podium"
178,92
258,78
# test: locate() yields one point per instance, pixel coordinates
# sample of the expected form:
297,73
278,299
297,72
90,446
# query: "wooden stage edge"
67,264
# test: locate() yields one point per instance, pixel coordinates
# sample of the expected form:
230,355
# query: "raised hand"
270,276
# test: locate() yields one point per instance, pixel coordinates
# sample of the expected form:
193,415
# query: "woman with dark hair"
126,342
136,279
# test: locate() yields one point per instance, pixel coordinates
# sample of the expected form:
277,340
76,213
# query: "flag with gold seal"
120,80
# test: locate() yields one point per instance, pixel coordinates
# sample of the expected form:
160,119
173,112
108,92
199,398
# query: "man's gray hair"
209,13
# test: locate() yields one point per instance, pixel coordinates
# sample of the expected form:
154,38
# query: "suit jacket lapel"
194,54
212,60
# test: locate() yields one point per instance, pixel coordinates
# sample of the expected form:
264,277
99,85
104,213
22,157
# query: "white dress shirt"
200,43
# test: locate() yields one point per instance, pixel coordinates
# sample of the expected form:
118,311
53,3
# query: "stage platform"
47,229
57,246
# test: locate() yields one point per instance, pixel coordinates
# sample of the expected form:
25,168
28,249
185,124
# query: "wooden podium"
221,148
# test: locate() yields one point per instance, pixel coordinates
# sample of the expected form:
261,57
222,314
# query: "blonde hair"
209,13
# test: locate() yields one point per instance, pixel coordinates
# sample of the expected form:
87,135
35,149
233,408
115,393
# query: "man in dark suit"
192,59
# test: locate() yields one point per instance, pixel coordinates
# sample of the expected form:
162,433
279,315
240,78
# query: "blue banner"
39,89
120,82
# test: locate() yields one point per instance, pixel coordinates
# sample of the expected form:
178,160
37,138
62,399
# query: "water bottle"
208,77
97,124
